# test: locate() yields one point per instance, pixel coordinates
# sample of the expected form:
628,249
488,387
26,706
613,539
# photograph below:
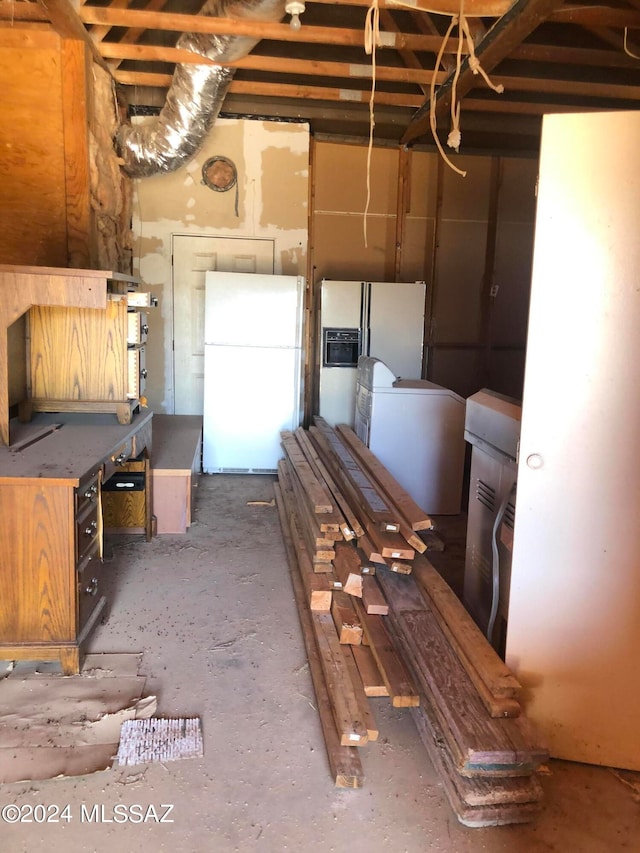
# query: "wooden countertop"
68,451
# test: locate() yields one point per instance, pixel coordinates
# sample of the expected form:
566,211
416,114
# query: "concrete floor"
214,615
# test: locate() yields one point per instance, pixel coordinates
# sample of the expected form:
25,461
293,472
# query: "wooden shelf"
23,287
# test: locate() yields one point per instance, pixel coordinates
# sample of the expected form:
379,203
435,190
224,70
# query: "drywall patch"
282,167
292,260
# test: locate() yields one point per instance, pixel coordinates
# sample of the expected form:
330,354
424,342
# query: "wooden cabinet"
51,584
83,359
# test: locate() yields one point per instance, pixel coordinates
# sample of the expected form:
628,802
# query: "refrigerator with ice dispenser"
373,318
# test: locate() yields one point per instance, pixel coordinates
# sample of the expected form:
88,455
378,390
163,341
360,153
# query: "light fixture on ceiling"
294,8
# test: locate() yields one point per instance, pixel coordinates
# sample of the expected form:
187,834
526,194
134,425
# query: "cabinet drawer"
88,492
136,372
137,328
118,458
87,530
90,580
136,299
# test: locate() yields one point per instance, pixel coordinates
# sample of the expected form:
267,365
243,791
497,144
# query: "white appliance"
380,319
416,429
252,369
492,427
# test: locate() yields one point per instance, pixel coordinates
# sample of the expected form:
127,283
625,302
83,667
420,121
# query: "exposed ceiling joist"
549,56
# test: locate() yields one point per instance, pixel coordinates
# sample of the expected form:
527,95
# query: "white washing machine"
416,429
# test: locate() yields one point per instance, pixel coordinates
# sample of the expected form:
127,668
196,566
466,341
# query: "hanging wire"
626,49
371,39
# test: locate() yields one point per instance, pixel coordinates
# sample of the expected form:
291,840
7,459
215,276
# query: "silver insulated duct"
196,93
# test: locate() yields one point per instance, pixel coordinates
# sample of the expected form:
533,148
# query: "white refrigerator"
252,369
375,318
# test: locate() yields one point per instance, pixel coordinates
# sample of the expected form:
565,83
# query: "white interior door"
573,635
192,257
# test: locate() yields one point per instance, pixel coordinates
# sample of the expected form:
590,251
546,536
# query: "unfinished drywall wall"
269,201
469,238
340,198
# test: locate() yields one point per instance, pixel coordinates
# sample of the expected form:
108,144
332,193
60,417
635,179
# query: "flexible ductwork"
196,93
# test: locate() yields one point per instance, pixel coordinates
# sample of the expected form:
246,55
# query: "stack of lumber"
379,621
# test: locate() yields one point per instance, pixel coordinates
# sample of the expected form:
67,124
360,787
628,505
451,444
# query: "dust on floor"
214,616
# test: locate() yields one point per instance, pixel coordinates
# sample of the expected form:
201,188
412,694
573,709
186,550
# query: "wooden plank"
320,556
493,671
370,551
369,497
415,516
346,565
390,545
318,538
478,742
343,483
397,678
477,802
406,595
373,599
318,497
372,679
317,587
346,619
344,761
350,726
361,697
342,509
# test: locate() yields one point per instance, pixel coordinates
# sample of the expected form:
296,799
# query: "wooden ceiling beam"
65,21
597,16
588,57
180,23
575,89
472,8
523,17
18,10
271,64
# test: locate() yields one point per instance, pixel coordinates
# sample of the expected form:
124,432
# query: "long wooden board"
479,743
350,526
350,726
346,565
409,596
494,672
344,761
478,802
317,587
414,515
369,496
318,496
369,673
397,678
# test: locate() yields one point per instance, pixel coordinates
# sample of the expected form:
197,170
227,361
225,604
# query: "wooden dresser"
51,530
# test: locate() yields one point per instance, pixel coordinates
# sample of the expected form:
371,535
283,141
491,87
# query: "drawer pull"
91,529
92,588
121,458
